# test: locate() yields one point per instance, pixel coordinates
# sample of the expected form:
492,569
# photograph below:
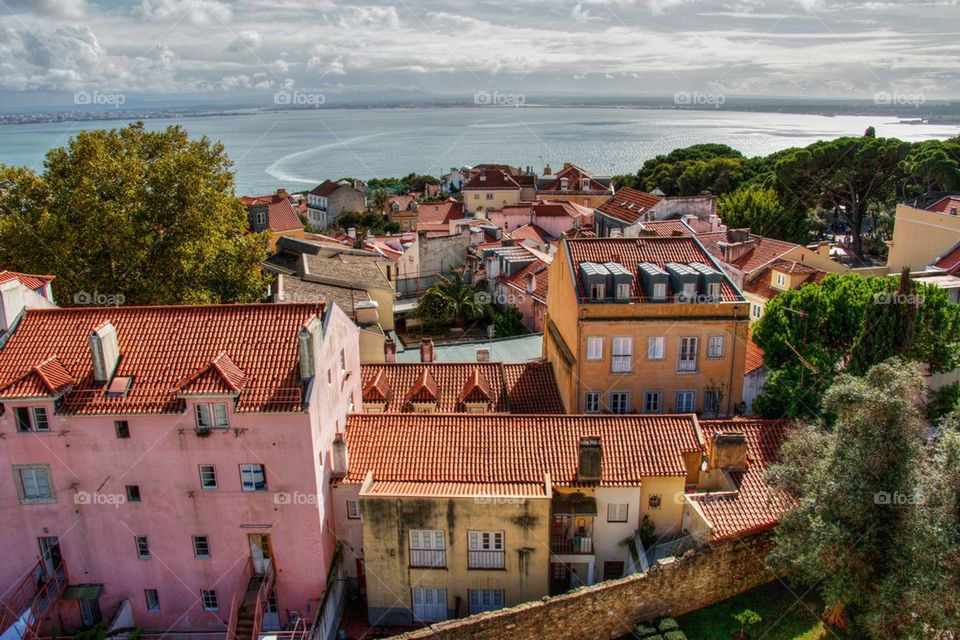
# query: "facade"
328,200
274,213
154,453
921,235
525,288
451,515
403,211
574,184
644,325
624,210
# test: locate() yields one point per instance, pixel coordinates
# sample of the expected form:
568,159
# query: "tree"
452,301
873,527
149,216
760,209
844,176
889,326
685,172
379,200
747,618
507,322
931,165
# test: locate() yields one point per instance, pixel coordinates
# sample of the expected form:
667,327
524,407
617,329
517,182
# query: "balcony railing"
485,559
428,558
687,365
572,544
621,364
36,593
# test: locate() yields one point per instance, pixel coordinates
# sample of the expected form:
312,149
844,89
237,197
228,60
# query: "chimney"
728,451
547,171
426,350
104,351
306,339
483,354
566,165
338,456
283,193
389,350
531,283
11,303
352,232
738,243
589,459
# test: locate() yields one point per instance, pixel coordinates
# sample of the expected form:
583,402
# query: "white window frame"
756,311
647,396
687,354
659,291
248,476
428,548
36,416
591,402
715,347
623,291
208,477
143,547
689,292
34,483
715,393
618,512
210,599
438,606
485,550
594,348
598,291
211,415
261,217
713,290
621,354
619,402
781,280
685,401
199,543
656,347
353,509
480,600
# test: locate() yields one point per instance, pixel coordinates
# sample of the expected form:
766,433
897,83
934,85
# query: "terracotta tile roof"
755,506
666,228
575,177
527,387
47,379
630,252
760,284
764,251
220,376
530,232
458,489
490,180
629,205
281,215
424,388
402,202
515,449
520,280
945,204
754,357
439,213
30,281
325,188
549,209
949,261
160,346
476,388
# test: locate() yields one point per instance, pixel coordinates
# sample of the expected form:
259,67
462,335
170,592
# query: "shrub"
668,624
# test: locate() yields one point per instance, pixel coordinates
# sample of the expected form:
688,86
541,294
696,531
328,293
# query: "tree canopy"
149,216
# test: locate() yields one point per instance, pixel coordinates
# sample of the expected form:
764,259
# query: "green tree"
454,302
931,165
690,170
508,321
760,209
151,216
889,326
872,527
379,200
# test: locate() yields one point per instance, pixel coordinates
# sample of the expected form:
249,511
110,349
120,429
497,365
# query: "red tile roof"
945,204
30,281
220,376
47,379
325,188
460,489
575,177
476,388
949,261
666,228
492,180
754,357
281,216
530,232
480,449
439,213
629,205
520,280
630,252
161,346
755,506
760,284
527,387
424,388
764,251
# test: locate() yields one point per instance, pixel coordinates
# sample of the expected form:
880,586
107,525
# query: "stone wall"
611,609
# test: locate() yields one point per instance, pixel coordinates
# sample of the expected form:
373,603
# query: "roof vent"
104,351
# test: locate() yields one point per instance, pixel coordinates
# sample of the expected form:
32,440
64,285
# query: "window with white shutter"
655,347
622,359
595,348
617,512
427,548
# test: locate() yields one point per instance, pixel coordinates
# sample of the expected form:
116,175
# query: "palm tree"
379,200
454,301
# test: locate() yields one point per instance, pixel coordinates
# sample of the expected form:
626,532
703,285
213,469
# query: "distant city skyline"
251,52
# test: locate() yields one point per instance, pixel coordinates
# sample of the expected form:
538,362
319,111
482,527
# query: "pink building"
174,462
555,218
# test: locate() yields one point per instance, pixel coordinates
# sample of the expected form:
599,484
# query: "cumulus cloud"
247,40
197,12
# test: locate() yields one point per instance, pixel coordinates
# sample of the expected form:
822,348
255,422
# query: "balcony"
485,559
572,545
428,558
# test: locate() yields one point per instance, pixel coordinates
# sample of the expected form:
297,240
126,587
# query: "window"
32,419
612,569
688,354
123,428
755,311
485,550
619,401
617,512
201,547
595,348
598,291
208,477
133,493
715,347
476,196
427,548
689,292
713,290
210,601
153,601
210,415
652,401
781,280
623,291
659,291
485,600
686,402
343,363
143,547
591,402
261,217
622,360
655,347
253,477
489,196
353,510
33,483
711,401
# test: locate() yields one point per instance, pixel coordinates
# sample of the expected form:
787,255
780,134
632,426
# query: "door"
559,578
50,556
260,552
89,612
429,605
361,577
271,617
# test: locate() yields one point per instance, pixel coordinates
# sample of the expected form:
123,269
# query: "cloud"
246,41
195,12
69,9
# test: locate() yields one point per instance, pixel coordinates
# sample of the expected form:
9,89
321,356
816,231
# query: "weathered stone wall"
611,609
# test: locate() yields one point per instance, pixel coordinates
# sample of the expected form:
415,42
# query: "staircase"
248,608
247,611
36,594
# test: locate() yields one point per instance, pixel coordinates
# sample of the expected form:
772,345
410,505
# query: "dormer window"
598,291
585,184
563,184
659,291
211,415
713,290
781,279
623,291
261,217
32,419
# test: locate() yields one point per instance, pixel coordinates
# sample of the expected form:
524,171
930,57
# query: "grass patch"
783,617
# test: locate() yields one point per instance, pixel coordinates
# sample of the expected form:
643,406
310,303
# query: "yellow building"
491,187
644,325
921,235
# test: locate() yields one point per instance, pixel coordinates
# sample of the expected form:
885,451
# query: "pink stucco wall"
90,468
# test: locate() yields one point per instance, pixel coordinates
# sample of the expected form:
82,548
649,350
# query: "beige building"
921,235
644,325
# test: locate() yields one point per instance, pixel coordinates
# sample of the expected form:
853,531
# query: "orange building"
645,325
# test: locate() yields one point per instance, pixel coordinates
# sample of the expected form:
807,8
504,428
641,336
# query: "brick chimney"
589,459
283,193
739,242
728,450
426,350
389,350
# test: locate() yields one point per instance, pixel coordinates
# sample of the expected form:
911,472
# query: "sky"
175,50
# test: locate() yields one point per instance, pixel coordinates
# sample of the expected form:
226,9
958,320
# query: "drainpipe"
733,362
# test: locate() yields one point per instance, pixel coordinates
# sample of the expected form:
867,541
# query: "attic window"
119,387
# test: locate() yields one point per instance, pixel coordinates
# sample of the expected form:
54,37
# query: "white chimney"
483,354
352,232
11,303
426,350
306,340
104,351
531,283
